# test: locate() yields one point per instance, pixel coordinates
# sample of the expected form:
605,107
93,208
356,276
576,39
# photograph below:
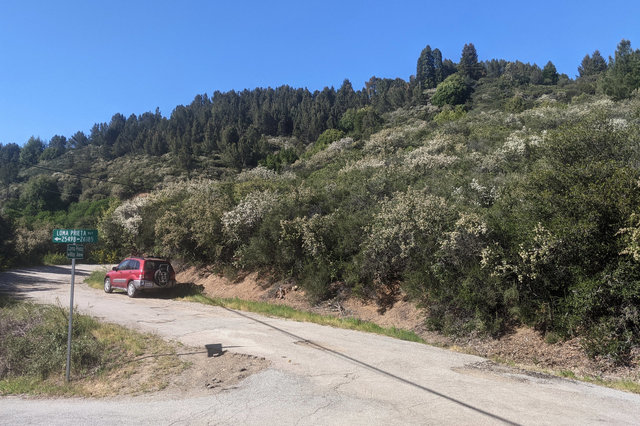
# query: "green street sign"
75,251
75,236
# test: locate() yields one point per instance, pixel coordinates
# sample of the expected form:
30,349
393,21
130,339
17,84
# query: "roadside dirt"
212,374
524,347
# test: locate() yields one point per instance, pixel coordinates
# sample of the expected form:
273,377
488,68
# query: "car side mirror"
115,268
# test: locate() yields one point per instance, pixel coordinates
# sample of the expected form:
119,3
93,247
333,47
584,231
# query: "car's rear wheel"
107,285
131,290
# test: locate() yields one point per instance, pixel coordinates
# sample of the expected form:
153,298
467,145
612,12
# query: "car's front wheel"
107,285
131,290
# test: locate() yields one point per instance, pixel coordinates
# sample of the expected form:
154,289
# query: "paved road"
319,375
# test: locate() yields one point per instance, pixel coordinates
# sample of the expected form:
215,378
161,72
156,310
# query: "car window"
134,265
152,265
123,265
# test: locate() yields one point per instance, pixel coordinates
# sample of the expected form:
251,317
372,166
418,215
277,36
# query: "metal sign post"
73,276
74,251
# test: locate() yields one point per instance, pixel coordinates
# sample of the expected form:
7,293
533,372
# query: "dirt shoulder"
524,347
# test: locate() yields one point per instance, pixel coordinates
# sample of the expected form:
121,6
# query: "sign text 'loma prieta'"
75,236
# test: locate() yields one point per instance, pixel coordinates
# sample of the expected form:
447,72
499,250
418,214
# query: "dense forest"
491,193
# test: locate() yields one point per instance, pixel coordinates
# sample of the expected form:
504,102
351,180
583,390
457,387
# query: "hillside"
491,194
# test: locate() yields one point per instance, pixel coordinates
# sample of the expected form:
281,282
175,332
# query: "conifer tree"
426,69
549,74
592,65
469,66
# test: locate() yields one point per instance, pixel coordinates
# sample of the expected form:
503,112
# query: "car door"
120,274
133,272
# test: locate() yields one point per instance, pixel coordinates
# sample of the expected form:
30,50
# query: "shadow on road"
20,282
375,369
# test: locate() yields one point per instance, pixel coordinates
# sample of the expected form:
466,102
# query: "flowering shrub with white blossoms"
365,163
128,214
326,155
465,241
262,173
389,140
406,223
239,222
308,231
421,159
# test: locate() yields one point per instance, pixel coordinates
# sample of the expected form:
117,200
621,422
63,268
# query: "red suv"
136,274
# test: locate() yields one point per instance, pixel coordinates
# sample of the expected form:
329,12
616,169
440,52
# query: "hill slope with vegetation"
491,193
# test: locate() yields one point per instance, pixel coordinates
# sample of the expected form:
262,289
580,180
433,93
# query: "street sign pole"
74,238
73,276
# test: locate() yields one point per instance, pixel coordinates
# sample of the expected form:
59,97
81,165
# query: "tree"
469,66
452,91
41,193
57,147
78,140
549,74
31,151
426,69
438,65
6,243
592,65
9,162
623,75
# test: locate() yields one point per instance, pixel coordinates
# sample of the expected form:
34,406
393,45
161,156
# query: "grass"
620,384
107,359
283,311
193,293
96,278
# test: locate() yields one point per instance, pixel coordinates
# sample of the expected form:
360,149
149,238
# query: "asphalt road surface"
319,375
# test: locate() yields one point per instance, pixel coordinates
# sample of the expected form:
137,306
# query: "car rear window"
152,265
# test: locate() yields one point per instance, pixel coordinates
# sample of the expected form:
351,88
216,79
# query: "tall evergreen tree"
623,74
426,69
549,74
592,65
31,151
438,66
469,65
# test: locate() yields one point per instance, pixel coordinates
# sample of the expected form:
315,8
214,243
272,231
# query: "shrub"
406,224
452,91
55,259
33,340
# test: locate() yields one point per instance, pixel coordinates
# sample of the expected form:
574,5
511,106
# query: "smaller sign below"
75,251
75,236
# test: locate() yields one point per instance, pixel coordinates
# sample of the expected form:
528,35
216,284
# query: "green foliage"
7,248
452,91
517,203
469,66
450,114
623,74
549,74
33,341
324,140
31,151
592,65
9,162
55,259
360,123
605,310
430,71
282,158
515,104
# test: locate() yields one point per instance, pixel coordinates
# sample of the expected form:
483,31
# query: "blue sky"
65,65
